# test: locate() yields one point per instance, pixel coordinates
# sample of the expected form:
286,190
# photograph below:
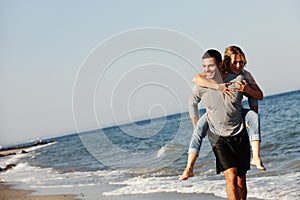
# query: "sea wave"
38,177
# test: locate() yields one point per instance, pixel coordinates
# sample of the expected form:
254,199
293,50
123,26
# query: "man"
234,62
226,133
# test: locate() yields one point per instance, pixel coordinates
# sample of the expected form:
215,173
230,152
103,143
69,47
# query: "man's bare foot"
186,174
258,163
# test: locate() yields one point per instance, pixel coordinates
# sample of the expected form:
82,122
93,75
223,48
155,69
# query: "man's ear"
220,65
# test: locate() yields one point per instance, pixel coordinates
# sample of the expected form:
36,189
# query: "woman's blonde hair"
229,54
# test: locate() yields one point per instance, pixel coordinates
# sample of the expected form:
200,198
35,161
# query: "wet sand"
6,193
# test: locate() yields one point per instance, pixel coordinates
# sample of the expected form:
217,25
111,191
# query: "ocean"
149,156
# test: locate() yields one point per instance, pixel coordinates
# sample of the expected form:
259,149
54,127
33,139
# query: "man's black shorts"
231,152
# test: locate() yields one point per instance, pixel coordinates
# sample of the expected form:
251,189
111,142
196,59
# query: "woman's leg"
253,129
194,148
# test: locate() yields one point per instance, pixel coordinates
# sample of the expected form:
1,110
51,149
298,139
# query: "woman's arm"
207,83
204,82
253,104
251,89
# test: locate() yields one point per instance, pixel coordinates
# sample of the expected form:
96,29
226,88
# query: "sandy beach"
6,193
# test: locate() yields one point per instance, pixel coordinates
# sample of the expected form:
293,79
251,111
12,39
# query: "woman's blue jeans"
252,125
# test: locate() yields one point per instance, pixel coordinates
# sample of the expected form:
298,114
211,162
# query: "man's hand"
223,88
194,121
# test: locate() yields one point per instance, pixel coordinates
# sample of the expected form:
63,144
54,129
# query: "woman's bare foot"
188,172
258,163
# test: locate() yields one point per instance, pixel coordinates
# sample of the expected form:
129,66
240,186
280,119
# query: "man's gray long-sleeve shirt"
224,114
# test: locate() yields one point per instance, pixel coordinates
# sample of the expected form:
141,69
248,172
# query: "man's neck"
224,75
219,78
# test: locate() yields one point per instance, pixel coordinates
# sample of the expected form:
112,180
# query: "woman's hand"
223,88
241,86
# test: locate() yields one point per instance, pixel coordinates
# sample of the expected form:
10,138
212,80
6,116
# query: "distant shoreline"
19,147
138,121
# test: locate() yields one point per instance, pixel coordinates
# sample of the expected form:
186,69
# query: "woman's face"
236,64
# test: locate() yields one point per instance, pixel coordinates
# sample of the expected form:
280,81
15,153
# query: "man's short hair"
212,53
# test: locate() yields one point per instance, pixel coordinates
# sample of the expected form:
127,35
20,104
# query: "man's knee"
231,175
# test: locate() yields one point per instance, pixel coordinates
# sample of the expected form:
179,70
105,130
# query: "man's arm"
194,121
193,105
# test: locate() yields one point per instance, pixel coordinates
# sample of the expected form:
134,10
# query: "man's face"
236,64
210,68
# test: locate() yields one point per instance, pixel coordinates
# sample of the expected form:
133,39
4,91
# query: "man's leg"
242,187
232,188
194,148
253,129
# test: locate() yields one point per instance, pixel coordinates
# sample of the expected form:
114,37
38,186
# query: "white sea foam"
275,187
38,177
141,185
11,159
285,187
39,146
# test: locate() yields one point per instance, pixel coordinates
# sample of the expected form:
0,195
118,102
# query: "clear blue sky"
44,43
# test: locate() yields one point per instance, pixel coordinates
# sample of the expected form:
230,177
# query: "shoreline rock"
9,166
